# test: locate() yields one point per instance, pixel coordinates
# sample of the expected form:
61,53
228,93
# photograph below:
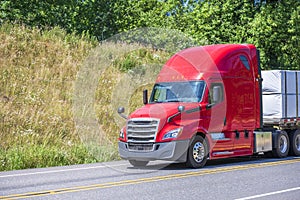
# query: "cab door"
221,140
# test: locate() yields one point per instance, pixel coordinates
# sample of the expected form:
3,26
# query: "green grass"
37,74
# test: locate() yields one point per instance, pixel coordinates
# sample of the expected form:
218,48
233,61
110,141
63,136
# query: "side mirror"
145,97
217,94
121,110
180,110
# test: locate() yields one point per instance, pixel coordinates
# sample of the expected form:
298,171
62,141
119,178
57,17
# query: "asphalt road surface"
239,178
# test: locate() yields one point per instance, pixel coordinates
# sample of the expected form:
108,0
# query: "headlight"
172,134
121,134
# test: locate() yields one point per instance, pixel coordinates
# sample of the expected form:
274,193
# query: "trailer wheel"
281,149
295,142
138,163
197,152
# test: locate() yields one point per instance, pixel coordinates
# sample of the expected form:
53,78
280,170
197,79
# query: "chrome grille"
142,130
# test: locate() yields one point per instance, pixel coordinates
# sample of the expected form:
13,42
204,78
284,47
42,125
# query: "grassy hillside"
37,74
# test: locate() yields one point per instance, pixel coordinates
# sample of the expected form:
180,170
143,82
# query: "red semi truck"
213,102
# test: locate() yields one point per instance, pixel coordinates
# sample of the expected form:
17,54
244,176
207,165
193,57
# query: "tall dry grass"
37,74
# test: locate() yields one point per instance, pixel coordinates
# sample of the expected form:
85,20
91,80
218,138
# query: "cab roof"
195,62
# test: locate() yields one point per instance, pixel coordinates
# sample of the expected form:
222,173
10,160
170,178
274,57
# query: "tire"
138,163
295,142
197,152
281,149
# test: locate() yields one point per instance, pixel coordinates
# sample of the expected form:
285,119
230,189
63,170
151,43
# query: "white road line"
61,170
269,194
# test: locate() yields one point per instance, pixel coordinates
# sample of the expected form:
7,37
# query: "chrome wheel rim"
297,142
198,152
283,144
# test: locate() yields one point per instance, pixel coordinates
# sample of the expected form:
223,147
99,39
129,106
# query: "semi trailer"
212,102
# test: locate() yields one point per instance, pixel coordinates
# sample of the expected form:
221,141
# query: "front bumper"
172,151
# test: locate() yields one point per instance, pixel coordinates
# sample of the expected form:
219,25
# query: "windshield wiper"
166,101
172,100
157,102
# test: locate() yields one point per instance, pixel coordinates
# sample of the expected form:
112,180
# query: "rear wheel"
197,152
295,142
281,150
138,163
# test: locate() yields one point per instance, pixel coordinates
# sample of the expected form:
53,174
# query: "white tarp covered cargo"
281,95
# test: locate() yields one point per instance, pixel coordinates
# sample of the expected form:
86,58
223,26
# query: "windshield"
189,91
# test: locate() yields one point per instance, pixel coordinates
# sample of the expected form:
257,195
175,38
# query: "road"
242,178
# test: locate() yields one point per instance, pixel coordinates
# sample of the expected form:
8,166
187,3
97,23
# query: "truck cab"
206,103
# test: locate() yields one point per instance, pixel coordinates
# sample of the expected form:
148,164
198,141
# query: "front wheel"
138,163
197,152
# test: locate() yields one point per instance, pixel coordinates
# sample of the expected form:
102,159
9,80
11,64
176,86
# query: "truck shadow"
215,163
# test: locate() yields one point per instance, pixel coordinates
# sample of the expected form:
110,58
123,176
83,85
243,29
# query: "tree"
275,31
273,26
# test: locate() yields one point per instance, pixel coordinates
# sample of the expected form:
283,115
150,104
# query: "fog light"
121,134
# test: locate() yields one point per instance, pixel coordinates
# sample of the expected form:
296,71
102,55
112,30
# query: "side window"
245,62
216,93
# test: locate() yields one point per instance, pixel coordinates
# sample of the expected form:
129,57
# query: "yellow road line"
148,180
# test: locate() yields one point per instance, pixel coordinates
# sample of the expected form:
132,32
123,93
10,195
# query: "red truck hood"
160,110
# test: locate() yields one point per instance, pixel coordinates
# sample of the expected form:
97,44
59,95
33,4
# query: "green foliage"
38,155
276,32
273,27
